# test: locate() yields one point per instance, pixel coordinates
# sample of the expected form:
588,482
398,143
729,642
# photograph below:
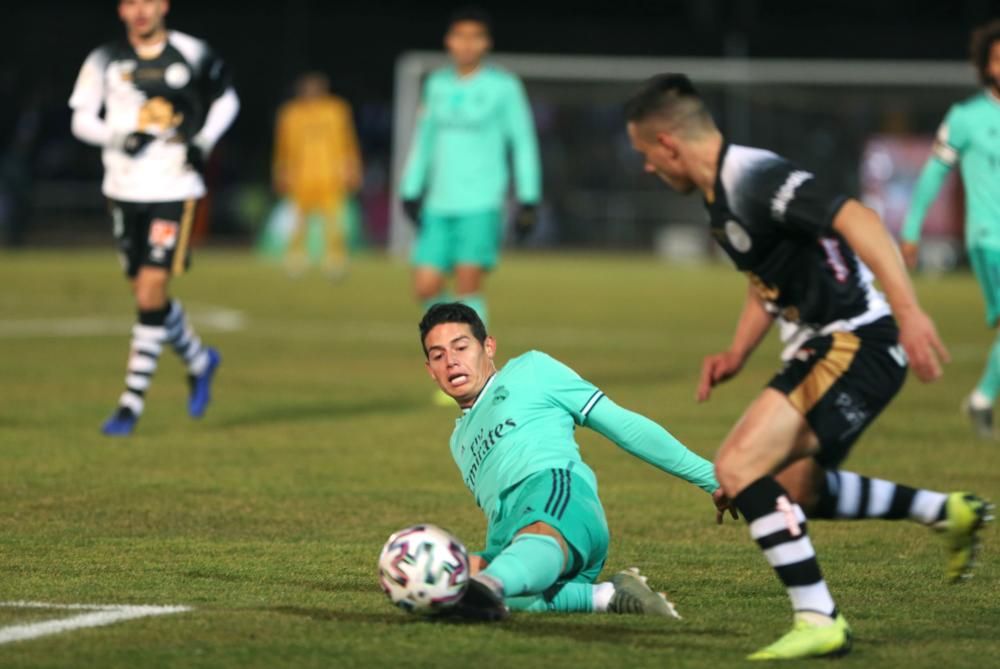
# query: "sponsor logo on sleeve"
785,194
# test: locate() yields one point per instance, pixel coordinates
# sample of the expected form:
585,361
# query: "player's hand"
524,221
477,564
723,504
911,253
717,368
135,142
923,346
412,210
196,158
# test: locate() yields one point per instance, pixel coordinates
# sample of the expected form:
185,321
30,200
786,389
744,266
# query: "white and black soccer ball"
423,569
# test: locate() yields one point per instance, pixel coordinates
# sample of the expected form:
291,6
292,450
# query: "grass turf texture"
267,516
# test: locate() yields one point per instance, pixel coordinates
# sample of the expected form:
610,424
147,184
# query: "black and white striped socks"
778,525
847,495
182,337
148,336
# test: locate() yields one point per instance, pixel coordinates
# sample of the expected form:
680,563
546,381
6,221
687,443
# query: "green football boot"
808,639
633,595
965,515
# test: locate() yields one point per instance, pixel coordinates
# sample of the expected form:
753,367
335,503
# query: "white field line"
205,317
97,616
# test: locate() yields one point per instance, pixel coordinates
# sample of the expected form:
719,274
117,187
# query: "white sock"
977,400
603,592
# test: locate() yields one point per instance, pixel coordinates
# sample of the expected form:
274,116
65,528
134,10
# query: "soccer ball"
423,569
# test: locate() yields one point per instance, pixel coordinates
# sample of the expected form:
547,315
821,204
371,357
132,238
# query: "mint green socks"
989,384
529,566
477,303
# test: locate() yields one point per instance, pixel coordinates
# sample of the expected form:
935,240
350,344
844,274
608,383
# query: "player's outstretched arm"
950,138
649,442
863,230
753,324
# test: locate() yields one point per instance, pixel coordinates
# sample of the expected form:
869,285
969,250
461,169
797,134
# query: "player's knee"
732,473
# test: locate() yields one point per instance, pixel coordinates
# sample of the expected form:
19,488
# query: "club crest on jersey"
500,395
738,238
177,75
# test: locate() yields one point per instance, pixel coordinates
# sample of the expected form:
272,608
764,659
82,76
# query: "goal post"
776,103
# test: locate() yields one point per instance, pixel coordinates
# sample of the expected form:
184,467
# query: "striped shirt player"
806,251
515,449
156,103
969,138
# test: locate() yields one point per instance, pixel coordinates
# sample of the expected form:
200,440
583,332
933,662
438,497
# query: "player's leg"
432,259
979,404
477,248
335,239
296,253
770,434
131,223
872,376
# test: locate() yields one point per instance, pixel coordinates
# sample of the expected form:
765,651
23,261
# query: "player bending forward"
807,254
167,100
547,537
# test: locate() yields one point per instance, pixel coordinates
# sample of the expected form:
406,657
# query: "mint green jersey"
970,138
523,422
458,161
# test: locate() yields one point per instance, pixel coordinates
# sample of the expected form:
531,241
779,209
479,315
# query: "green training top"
969,136
458,161
523,422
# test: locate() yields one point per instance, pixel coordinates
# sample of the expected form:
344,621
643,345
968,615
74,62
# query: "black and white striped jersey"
181,96
775,221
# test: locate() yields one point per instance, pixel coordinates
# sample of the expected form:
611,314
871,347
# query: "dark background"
357,43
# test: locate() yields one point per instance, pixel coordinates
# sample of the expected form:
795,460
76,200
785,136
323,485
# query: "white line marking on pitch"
207,317
99,614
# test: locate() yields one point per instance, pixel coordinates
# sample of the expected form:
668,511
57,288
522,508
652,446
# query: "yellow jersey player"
166,99
317,165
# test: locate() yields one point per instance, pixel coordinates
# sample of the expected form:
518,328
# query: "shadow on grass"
306,411
596,629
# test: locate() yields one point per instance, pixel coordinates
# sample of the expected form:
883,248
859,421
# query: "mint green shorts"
986,265
563,500
458,239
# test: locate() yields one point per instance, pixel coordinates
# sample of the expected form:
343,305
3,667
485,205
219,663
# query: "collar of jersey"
489,382
992,96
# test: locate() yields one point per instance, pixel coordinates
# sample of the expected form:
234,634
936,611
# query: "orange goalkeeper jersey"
316,149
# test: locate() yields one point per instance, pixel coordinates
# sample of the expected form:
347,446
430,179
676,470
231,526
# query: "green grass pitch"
267,516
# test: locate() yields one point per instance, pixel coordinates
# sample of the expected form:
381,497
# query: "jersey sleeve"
564,387
418,163
88,99
524,144
216,77
651,443
793,198
88,92
948,145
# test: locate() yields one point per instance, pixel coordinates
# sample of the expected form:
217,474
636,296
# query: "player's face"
661,156
457,362
467,42
993,65
143,18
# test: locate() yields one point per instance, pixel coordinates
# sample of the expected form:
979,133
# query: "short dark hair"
981,41
472,13
451,312
670,96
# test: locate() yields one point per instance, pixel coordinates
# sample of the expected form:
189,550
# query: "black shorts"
153,234
842,381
